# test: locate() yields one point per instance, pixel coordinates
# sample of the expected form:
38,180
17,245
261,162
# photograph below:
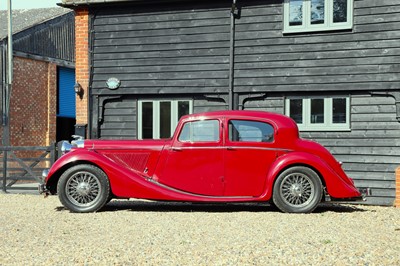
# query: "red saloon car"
223,156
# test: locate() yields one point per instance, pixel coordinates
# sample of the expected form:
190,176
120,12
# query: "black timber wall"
162,49
182,50
2,80
51,40
119,119
365,58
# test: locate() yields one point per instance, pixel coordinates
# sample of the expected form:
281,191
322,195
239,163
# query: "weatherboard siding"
2,81
182,50
119,119
370,152
175,49
365,58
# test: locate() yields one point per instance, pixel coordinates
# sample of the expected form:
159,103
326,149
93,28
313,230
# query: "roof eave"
78,3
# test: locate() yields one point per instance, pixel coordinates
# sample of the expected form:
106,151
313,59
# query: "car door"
195,161
249,152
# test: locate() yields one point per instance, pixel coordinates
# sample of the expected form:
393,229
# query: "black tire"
297,190
83,188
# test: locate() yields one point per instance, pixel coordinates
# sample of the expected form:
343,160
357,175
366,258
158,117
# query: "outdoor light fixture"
78,89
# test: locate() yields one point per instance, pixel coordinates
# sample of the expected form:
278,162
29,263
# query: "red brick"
397,201
33,103
82,62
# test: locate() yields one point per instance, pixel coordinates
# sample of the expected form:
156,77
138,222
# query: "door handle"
176,149
230,148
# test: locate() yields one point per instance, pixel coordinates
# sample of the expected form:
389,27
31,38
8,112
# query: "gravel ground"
38,231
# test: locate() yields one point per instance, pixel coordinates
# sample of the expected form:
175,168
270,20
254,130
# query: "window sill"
325,129
316,29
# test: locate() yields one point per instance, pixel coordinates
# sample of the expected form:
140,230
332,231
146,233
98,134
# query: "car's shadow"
154,206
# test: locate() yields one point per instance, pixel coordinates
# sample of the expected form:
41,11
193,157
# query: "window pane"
317,111
339,111
200,131
317,11
296,110
250,131
147,120
339,11
183,108
296,12
165,119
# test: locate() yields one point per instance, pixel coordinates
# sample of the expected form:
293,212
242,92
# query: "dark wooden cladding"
119,119
358,59
174,49
2,80
54,39
369,152
182,48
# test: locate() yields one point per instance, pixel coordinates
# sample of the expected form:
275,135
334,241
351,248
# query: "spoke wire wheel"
297,190
83,189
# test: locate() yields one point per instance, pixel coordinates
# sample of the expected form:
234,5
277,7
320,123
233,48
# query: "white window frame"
328,25
156,115
328,124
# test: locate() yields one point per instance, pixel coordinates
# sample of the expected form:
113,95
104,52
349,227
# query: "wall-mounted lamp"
78,89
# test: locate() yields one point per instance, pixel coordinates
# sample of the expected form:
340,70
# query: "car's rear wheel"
297,190
83,188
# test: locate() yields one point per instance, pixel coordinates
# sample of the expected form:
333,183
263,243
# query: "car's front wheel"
297,190
83,188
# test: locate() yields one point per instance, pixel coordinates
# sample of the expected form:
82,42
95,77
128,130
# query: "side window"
158,119
320,114
250,131
200,131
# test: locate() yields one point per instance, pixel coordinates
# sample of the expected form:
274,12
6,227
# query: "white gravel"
38,231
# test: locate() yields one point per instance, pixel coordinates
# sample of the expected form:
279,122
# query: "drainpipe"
233,105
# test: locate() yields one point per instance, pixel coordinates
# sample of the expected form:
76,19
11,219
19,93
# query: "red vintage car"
223,156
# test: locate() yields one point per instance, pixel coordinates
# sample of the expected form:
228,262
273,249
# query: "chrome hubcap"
297,189
83,188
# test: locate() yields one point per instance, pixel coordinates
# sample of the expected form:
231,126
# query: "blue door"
66,104
66,93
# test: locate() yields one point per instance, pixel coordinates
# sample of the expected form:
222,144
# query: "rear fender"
335,185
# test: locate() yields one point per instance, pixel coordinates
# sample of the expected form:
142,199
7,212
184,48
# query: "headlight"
66,147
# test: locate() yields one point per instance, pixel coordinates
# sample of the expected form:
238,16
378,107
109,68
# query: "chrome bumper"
42,186
42,189
363,191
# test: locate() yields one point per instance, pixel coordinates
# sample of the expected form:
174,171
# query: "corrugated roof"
26,18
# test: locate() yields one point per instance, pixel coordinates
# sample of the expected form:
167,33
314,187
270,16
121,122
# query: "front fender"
121,179
336,186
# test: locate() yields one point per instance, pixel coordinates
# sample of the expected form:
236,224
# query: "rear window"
250,131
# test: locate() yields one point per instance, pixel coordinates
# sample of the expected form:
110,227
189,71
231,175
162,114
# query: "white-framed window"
320,114
158,118
317,15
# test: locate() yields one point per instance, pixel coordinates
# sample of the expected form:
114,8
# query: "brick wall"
33,103
397,201
82,62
